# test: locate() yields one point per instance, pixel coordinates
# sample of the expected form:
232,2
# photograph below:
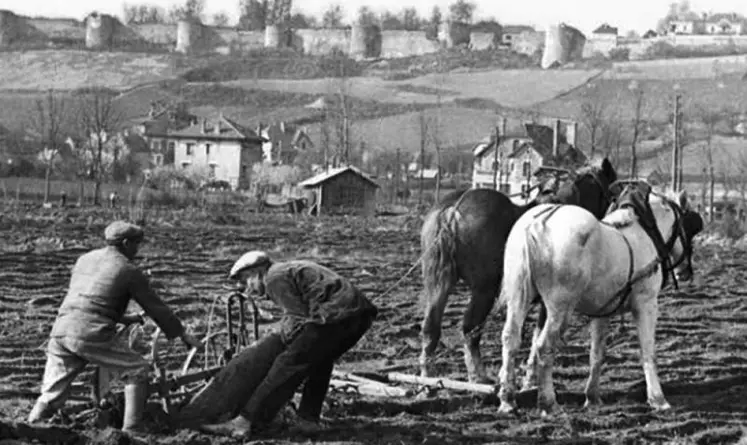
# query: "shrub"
620,54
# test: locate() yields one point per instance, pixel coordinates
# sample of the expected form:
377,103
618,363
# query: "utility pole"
496,167
680,150
422,154
396,177
676,145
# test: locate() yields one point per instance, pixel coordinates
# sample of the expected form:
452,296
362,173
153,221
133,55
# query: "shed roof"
326,176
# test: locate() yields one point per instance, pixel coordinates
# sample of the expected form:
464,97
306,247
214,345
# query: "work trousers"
309,357
68,357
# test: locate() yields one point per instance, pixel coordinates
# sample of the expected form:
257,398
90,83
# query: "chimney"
203,128
216,127
556,138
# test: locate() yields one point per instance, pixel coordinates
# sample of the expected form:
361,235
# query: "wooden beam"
379,390
435,382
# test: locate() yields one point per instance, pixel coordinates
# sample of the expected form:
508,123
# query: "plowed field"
701,337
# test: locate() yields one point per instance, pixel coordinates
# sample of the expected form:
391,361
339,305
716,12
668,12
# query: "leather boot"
41,411
135,395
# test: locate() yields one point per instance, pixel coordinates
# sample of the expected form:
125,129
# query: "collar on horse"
637,200
560,174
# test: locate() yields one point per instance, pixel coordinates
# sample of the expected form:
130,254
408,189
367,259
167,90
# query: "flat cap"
250,259
121,230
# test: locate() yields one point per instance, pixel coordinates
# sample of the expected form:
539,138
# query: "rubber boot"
41,411
135,395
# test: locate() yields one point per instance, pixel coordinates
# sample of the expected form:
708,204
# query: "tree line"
257,14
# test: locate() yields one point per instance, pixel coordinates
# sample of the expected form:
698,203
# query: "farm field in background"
702,356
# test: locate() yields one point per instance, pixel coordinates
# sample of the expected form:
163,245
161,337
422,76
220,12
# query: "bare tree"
48,122
98,120
332,17
592,114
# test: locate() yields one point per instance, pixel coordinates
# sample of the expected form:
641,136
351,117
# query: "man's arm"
143,293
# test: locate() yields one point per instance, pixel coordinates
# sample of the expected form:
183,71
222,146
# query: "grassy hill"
712,93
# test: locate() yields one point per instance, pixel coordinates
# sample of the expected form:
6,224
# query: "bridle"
605,196
664,249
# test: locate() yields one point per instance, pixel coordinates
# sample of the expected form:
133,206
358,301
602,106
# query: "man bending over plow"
324,316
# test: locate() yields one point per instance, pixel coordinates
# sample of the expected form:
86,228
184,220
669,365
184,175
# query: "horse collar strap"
633,278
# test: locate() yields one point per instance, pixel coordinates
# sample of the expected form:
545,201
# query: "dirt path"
702,353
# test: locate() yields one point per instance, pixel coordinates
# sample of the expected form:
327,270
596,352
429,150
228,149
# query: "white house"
223,148
513,167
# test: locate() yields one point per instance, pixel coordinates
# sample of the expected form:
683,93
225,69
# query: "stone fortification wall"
103,31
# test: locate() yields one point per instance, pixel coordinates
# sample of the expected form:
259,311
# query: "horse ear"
607,168
682,199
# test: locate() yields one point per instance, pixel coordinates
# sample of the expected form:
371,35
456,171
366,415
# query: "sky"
638,15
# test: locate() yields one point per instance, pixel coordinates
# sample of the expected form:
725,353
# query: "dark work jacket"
311,293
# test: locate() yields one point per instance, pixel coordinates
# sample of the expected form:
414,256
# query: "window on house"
526,169
207,149
154,145
495,165
185,165
505,188
172,145
190,148
158,160
244,170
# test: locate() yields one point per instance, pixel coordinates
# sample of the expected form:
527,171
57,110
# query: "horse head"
588,187
659,214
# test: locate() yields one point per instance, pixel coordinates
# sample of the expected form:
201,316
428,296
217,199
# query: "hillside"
727,91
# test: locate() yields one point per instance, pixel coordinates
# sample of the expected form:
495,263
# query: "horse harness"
640,205
642,208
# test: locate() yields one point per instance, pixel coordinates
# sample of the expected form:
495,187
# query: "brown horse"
464,237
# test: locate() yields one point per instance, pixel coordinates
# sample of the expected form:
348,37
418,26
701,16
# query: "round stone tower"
99,30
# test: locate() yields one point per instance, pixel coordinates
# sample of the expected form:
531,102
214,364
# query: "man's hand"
191,341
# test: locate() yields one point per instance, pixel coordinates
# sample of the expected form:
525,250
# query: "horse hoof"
549,410
592,402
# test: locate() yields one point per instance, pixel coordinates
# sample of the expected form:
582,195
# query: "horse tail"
438,240
518,286
438,245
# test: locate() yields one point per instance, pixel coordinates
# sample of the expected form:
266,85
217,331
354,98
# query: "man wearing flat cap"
324,316
102,284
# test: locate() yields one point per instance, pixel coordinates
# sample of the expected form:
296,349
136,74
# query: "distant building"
225,149
284,142
510,33
724,24
650,34
520,156
342,190
155,127
681,27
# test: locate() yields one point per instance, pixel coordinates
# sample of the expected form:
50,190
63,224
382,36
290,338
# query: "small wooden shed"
343,190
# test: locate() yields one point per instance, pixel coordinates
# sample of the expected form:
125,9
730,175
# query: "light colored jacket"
102,284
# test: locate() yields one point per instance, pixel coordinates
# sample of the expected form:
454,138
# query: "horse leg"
530,378
598,330
546,343
511,338
431,327
480,305
645,315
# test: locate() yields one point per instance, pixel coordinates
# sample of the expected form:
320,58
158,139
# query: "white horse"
564,257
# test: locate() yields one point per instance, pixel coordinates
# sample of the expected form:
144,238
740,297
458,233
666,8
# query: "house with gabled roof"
510,33
284,141
513,168
724,24
343,189
222,148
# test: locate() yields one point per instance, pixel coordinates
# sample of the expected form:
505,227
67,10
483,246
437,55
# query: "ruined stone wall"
102,31
563,44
